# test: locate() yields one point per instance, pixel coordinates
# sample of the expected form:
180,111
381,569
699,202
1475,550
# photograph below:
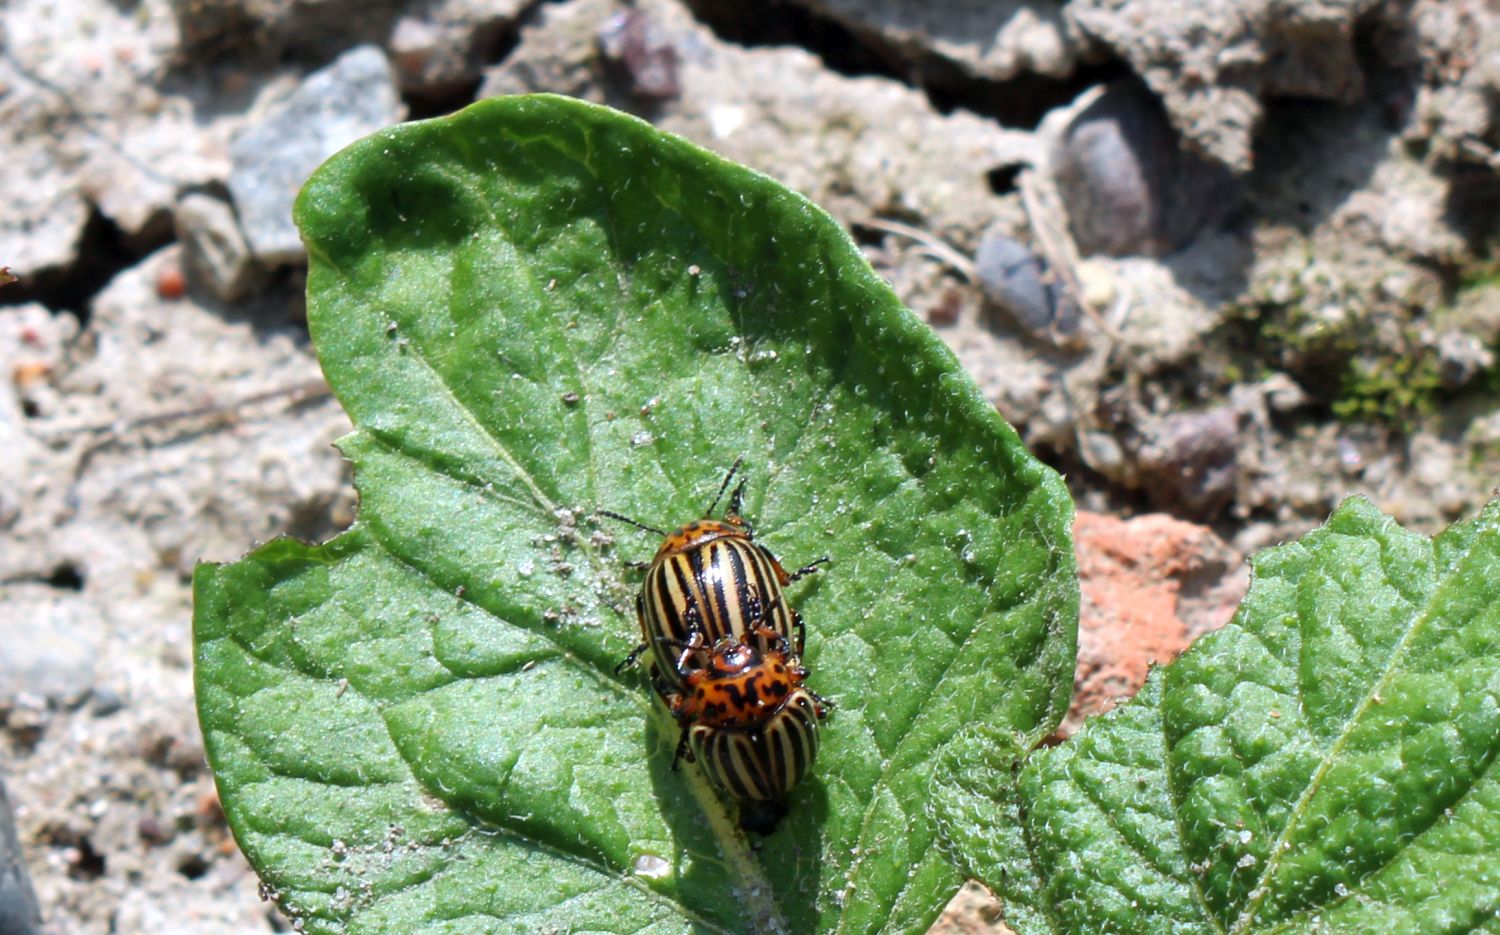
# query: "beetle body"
710,581
747,718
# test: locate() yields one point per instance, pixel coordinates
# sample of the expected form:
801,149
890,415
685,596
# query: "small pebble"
946,309
170,283
1461,357
1191,463
643,55
105,701
1129,186
279,147
214,250
1019,283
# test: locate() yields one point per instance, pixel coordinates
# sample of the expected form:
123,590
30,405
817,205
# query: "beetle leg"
806,570
640,617
630,660
764,613
677,702
772,641
692,620
755,612
690,647
756,616
821,706
665,691
762,617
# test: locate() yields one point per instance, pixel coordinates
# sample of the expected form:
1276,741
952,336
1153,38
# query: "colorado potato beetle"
748,719
711,578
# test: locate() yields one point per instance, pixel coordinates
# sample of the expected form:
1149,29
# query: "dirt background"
1222,264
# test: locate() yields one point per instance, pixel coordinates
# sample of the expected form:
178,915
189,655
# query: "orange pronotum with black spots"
741,686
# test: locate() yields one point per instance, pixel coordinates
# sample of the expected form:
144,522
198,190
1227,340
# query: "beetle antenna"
725,486
625,519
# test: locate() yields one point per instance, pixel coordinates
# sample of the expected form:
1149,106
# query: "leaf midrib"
1282,843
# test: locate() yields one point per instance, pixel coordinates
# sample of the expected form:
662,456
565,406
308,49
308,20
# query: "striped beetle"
748,718
710,578
721,635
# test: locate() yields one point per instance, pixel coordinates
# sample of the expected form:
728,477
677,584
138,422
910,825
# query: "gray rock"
215,253
1456,111
645,58
1189,463
558,52
1213,64
106,701
1461,358
172,505
171,432
428,58
1129,186
1281,393
87,125
1021,284
19,912
42,224
266,32
440,47
351,98
856,146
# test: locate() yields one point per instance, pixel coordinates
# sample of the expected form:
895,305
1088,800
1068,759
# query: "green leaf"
1324,763
538,308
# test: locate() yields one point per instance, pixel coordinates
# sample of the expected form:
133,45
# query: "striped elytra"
711,578
761,763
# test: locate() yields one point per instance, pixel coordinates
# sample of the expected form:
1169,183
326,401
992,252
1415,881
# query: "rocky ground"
1223,262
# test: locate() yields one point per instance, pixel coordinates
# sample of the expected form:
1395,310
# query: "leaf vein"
1283,841
419,354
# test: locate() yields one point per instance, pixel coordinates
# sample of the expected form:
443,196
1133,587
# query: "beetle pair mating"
726,653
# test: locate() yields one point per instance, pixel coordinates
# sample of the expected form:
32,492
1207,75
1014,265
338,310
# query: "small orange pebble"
170,283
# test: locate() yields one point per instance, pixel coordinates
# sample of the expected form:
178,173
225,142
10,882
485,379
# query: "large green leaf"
1325,763
535,309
